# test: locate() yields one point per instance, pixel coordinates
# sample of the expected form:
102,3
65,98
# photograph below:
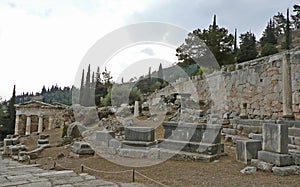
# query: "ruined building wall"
257,83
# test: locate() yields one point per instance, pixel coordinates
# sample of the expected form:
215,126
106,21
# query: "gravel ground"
224,172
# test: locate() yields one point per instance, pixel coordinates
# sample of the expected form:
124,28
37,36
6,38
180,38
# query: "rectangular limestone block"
275,138
103,137
212,134
145,134
275,158
294,132
247,150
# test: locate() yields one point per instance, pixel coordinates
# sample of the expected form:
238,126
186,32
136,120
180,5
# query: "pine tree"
280,23
296,17
247,47
269,35
218,40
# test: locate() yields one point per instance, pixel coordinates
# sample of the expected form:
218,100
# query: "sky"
43,42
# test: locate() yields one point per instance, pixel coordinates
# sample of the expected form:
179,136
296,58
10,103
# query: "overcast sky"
43,42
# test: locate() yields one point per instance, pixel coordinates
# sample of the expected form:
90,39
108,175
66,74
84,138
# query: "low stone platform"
16,174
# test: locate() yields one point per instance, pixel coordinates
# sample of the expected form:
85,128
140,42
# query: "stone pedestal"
145,134
247,150
244,114
103,138
28,125
275,145
275,138
287,88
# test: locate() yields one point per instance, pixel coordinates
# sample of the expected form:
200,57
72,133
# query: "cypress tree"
287,31
235,42
81,89
12,112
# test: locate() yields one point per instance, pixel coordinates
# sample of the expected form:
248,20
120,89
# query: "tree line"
223,45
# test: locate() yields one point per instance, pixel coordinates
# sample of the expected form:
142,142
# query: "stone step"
297,151
249,129
229,131
294,131
294,146
234,138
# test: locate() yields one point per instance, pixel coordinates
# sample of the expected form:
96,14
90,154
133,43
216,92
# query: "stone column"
40,124
136,109
17,124
28,125
50,123
287,88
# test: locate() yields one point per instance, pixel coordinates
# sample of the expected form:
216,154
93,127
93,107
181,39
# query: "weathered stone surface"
257,137
103,137
262,165
247,150
275,158
139,134
294,132
297,141
82,148
75,129
287,170
134,153
229,131
248,170
275,138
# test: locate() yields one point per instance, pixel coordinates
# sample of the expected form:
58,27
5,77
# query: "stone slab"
275,138
294,132
287,170
262,165
247,150
275,158
139,134
138,144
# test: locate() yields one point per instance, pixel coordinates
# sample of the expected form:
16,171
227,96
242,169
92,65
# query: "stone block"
275,138
275,158
138,144
113,143
103,138
134,153
247,150
82,148
296,158
229,131
139,134
291,140
297,141
262,165
212,134
287,170
294,132
257,137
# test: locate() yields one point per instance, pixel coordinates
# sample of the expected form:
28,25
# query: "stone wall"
257,83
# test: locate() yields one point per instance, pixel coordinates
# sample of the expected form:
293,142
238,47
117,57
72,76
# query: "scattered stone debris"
248,170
